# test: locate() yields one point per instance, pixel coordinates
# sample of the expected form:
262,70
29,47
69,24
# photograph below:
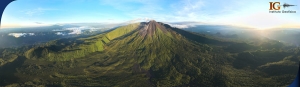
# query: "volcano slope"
151,54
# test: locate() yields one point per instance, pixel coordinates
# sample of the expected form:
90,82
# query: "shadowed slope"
161,53
152,54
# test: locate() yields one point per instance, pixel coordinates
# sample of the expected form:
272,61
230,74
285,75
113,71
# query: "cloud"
17,35
187,10
37,11
180,26
188,7
164,11
181,10
186,24
118,11
139,20
38,22
59,33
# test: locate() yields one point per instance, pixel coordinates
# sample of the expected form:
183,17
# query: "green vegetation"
77,49
154,56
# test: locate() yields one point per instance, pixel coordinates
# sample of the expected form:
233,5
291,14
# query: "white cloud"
17,35
183,25
38,22
59,33
180,26
76,30
188,6
37,11
246,13
188,10
139,20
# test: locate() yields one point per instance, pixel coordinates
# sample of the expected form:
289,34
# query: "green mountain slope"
79,48
159,51
154,54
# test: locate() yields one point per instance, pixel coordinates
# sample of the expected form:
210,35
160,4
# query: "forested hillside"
151,54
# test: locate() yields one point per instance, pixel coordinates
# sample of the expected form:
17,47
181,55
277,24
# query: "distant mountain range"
151,54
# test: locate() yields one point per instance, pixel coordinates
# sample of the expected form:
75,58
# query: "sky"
247,13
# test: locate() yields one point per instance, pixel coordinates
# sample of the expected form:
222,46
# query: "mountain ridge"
149,54
152,31
153,51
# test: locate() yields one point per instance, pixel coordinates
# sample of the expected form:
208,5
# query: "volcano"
151,27
148,54
164,54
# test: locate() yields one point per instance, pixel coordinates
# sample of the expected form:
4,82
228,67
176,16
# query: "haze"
249,13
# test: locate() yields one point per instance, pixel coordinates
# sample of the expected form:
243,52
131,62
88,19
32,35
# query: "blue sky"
249,13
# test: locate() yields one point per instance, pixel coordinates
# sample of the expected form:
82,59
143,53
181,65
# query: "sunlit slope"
167,56
155,54
66,49
163,53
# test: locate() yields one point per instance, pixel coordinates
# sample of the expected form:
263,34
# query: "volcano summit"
147,54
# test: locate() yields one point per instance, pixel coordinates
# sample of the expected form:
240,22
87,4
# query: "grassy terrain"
160,56
62,51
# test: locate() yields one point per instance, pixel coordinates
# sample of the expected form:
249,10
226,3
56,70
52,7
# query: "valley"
151,54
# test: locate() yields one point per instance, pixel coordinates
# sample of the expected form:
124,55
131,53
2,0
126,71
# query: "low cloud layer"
17,35
38,22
